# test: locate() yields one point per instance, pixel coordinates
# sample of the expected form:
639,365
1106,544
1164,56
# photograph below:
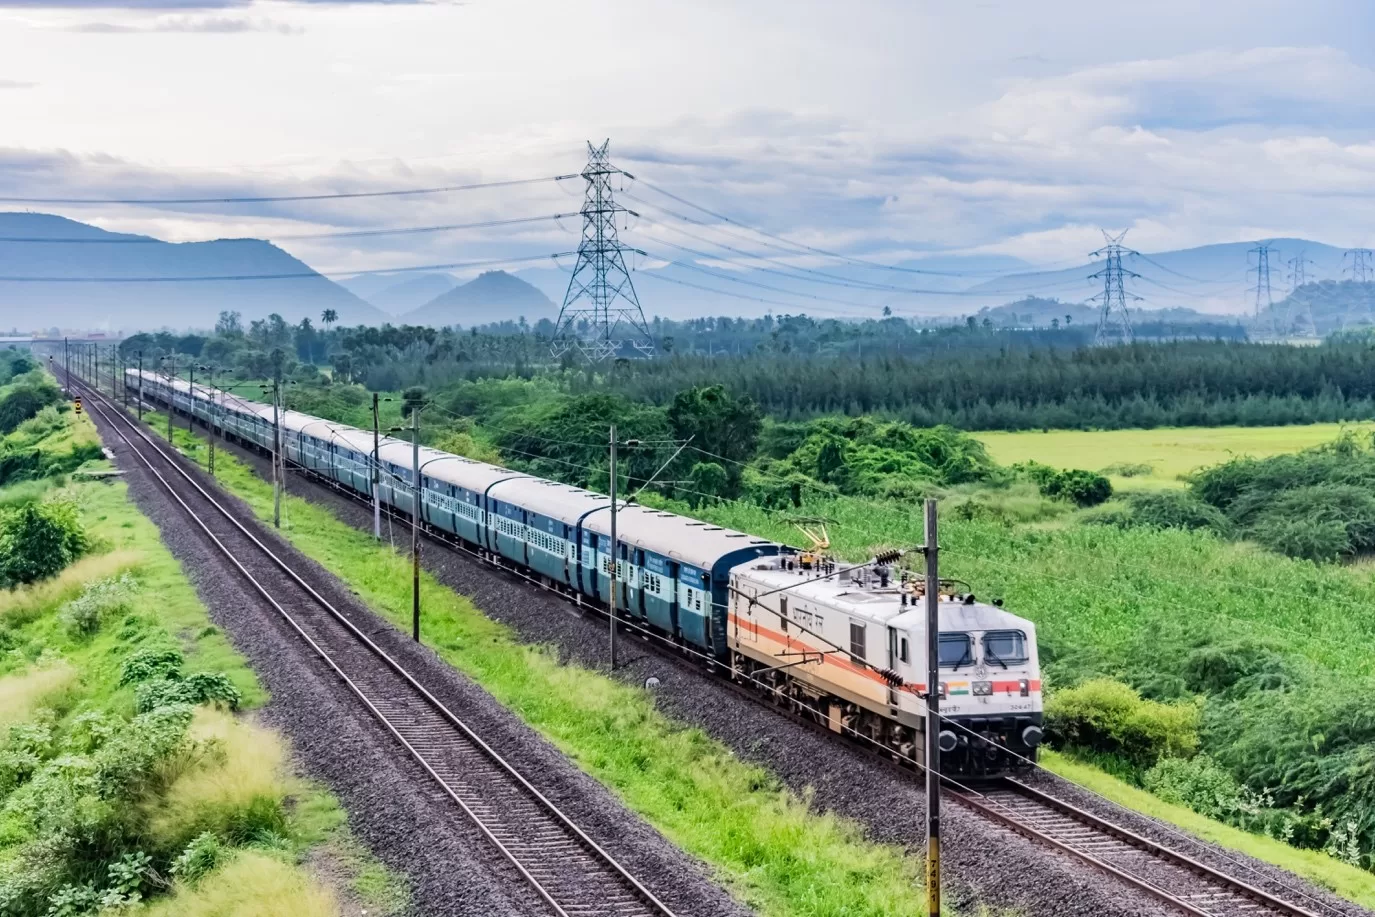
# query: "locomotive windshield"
956,650
1007,647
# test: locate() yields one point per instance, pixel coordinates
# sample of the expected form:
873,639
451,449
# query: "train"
844,646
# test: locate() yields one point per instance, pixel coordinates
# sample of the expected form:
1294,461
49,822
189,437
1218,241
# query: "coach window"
783,613
857,641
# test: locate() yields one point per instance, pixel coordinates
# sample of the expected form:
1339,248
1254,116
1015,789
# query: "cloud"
155,5
204,24
16,84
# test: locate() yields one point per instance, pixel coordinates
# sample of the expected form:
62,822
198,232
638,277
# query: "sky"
950,134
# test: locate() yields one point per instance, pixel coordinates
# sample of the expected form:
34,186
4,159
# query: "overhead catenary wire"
290,237
271,199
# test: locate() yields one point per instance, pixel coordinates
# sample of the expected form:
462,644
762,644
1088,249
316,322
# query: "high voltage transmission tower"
600,297
1265,297
1362,267
1298,317
1114,321
1359,265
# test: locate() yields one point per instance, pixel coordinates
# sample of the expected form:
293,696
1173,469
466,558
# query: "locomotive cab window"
902,649
956,650
1005,647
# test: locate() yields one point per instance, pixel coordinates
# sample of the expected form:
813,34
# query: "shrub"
199,688
1220,667
201,856
1128,469
1083,488
1176,509
1107,716
1198,783
1318,540
38,540
148,664
83,615
250,883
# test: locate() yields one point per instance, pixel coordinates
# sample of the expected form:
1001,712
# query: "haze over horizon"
983,138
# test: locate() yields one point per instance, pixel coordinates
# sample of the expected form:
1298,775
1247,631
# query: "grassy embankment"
226,790
762,841
1170,451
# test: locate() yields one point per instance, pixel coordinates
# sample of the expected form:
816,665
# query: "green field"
1171,452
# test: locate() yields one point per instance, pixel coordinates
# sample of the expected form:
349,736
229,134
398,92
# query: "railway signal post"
933,727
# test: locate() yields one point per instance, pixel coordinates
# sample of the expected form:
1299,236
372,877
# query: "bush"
38,540
1128,469
1238,666
1198,783
146,665
1318,540
1083,488
1176,509
83,615
1107,716
201,856
200,688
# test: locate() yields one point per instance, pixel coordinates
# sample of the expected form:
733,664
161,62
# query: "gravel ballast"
983,863
394,807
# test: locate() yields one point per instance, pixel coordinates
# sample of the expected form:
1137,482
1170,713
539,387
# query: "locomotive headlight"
1025,687
945,690
983,688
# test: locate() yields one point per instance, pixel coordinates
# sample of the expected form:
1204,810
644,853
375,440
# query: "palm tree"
329,317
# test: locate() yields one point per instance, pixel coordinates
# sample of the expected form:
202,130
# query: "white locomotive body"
849,648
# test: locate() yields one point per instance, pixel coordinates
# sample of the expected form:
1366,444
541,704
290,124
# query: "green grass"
1171,451
1348,881
165,608
766,844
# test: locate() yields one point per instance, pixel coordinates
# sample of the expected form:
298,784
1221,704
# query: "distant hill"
494,296
100,279
1318,309
1209,278
398,294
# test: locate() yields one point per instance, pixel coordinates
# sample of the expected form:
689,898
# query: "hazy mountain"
398,294
1318,309
80,276
1210,278
494,296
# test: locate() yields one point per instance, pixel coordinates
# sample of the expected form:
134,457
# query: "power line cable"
286,275
1170,270
344,234
266,199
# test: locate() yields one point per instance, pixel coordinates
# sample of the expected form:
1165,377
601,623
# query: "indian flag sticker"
955,688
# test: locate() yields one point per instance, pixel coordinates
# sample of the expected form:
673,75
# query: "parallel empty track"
563,866
1178,880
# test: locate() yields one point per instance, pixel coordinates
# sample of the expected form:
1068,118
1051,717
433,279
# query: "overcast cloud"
893,129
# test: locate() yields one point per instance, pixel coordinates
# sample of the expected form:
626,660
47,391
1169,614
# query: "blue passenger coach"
673,571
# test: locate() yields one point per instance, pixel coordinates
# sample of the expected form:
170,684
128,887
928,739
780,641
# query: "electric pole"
140,386
376,476
1114,321
615,564
276,449
191,398
933,714
171,392
415,522
66,364
591,314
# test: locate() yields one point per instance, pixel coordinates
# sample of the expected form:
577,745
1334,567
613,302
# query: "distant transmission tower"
1114,321
600,297
1298,317
1361,269
1265,297
1362,266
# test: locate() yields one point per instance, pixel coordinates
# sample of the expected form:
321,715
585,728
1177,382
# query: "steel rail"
653,906
984,807
1097,841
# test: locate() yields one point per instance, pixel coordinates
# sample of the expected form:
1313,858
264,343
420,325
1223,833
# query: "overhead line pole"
415,522
376,476
276,450
615,566
140,386
933,747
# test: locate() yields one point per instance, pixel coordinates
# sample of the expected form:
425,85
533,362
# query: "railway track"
1171,877
562,865
1166,874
